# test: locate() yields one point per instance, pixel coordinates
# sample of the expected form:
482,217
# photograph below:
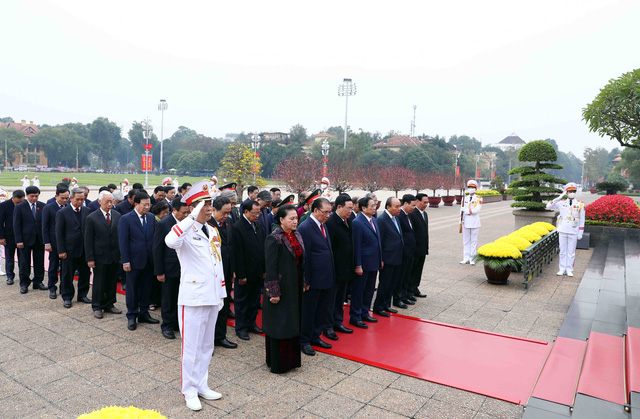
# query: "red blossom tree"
296,174
398,179
435,181
342,174
369,177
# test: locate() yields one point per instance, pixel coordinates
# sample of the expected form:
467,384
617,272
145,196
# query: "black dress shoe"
84,300
256,330
24,290
113,310
225,344
131,325
330,334
243,335
231,315
408,301
360,324
66,304
322,344
9,281
412,298
391,310
40,286
381,313
168,334
342,329
147,319
400,304
308,350
98,314
53,295
369,319
419,295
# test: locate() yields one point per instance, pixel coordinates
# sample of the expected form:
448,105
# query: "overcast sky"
480,68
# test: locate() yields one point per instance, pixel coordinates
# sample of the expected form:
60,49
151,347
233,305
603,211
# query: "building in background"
32,156
512,141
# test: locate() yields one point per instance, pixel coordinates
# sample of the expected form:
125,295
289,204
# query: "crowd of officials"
298,263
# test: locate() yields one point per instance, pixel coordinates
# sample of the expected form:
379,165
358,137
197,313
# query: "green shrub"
612,188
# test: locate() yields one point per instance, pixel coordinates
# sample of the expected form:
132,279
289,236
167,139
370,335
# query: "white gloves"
196,211
580,236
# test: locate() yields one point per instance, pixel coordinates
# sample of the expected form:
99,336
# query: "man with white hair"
470,210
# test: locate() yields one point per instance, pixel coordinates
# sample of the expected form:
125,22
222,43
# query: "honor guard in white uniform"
166,181
125,187
470,210
213,184
176,184
25,182
324,187
74,183
36,181
201,292
570,226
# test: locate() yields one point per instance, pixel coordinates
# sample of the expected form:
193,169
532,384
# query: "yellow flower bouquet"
527,234
517,241
117,412
500,256
538,229
550,227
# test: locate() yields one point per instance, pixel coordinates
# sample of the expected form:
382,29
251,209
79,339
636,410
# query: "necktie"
254,227
108,219
409,220
77,209
396,223
570,202
372,226
346,223
205,230
33,210
144,225
322,229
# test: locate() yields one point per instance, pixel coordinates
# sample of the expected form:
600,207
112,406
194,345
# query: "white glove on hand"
196,211
579,236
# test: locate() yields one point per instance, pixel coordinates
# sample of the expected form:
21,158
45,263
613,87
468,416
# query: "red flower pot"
458,199
448,200
434,201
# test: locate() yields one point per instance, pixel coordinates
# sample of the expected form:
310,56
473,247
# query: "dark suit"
320,275
94,205
367,253
402,289
167,264
248,249
421,231
29,232
101,246
235,215
136,248
124,207
49,237
265,221
342,246
392,253
226,241
69,239
6,233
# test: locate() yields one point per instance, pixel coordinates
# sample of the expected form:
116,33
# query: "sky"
478,68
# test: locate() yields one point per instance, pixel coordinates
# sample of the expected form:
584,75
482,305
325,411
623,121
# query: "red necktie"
108,219
322,229
372,226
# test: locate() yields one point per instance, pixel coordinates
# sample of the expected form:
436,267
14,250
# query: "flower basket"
434,201
458,199
497,277
448,200
499,258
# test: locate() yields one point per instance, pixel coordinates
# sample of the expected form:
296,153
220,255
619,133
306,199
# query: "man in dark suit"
220,221
402,290
231,195
320,275
7,238
420,221
340,232
103,254
252,193
367,255
70,221
248,249
27,229
126,206
158,195
95,204
264,200
49,236
167,268
135,235
392,252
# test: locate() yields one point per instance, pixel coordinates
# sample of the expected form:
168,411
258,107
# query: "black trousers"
389,276
335,311
10,259
416,273
247,298
105,281
139,291
314,314
156,292
223,315
69,266
54,267
403,286
362,289
24,264
169,305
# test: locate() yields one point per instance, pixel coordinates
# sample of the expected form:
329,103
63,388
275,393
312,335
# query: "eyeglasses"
325,212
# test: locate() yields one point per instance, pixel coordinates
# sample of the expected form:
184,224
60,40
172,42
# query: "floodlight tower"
346,89
162,106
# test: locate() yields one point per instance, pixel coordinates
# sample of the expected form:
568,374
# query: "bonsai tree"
498,184
612,188
535,185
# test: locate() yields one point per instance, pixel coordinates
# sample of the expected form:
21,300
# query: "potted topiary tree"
535,185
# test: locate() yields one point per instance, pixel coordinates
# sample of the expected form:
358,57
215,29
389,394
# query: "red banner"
493,174
147,163
477,173
457,171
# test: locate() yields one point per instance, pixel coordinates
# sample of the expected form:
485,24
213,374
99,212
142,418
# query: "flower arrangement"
539,230
116,412
550,227
500,256
491,192
517,241
527,235
613,210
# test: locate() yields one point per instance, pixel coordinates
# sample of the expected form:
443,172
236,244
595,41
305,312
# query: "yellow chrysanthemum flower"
499,250
517,241
548,226
116,412
539,230
527,235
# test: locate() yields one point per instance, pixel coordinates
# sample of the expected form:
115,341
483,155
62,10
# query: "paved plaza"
59,362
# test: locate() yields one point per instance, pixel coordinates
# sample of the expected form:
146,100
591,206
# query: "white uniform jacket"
571,218
201,275
472,205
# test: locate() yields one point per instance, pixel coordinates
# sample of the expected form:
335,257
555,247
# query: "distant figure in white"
25,182
176,184
471,207
36,181
570,226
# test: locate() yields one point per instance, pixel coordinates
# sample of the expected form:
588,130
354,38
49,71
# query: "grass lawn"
52,178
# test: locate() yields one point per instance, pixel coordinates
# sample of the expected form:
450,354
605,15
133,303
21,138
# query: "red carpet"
633,359
602,373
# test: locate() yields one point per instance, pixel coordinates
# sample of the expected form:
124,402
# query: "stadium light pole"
346,89
147,132
162,106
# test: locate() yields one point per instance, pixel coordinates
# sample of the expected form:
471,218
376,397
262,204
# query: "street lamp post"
162,106
346,89
147,132
477,161
255,144
325,158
